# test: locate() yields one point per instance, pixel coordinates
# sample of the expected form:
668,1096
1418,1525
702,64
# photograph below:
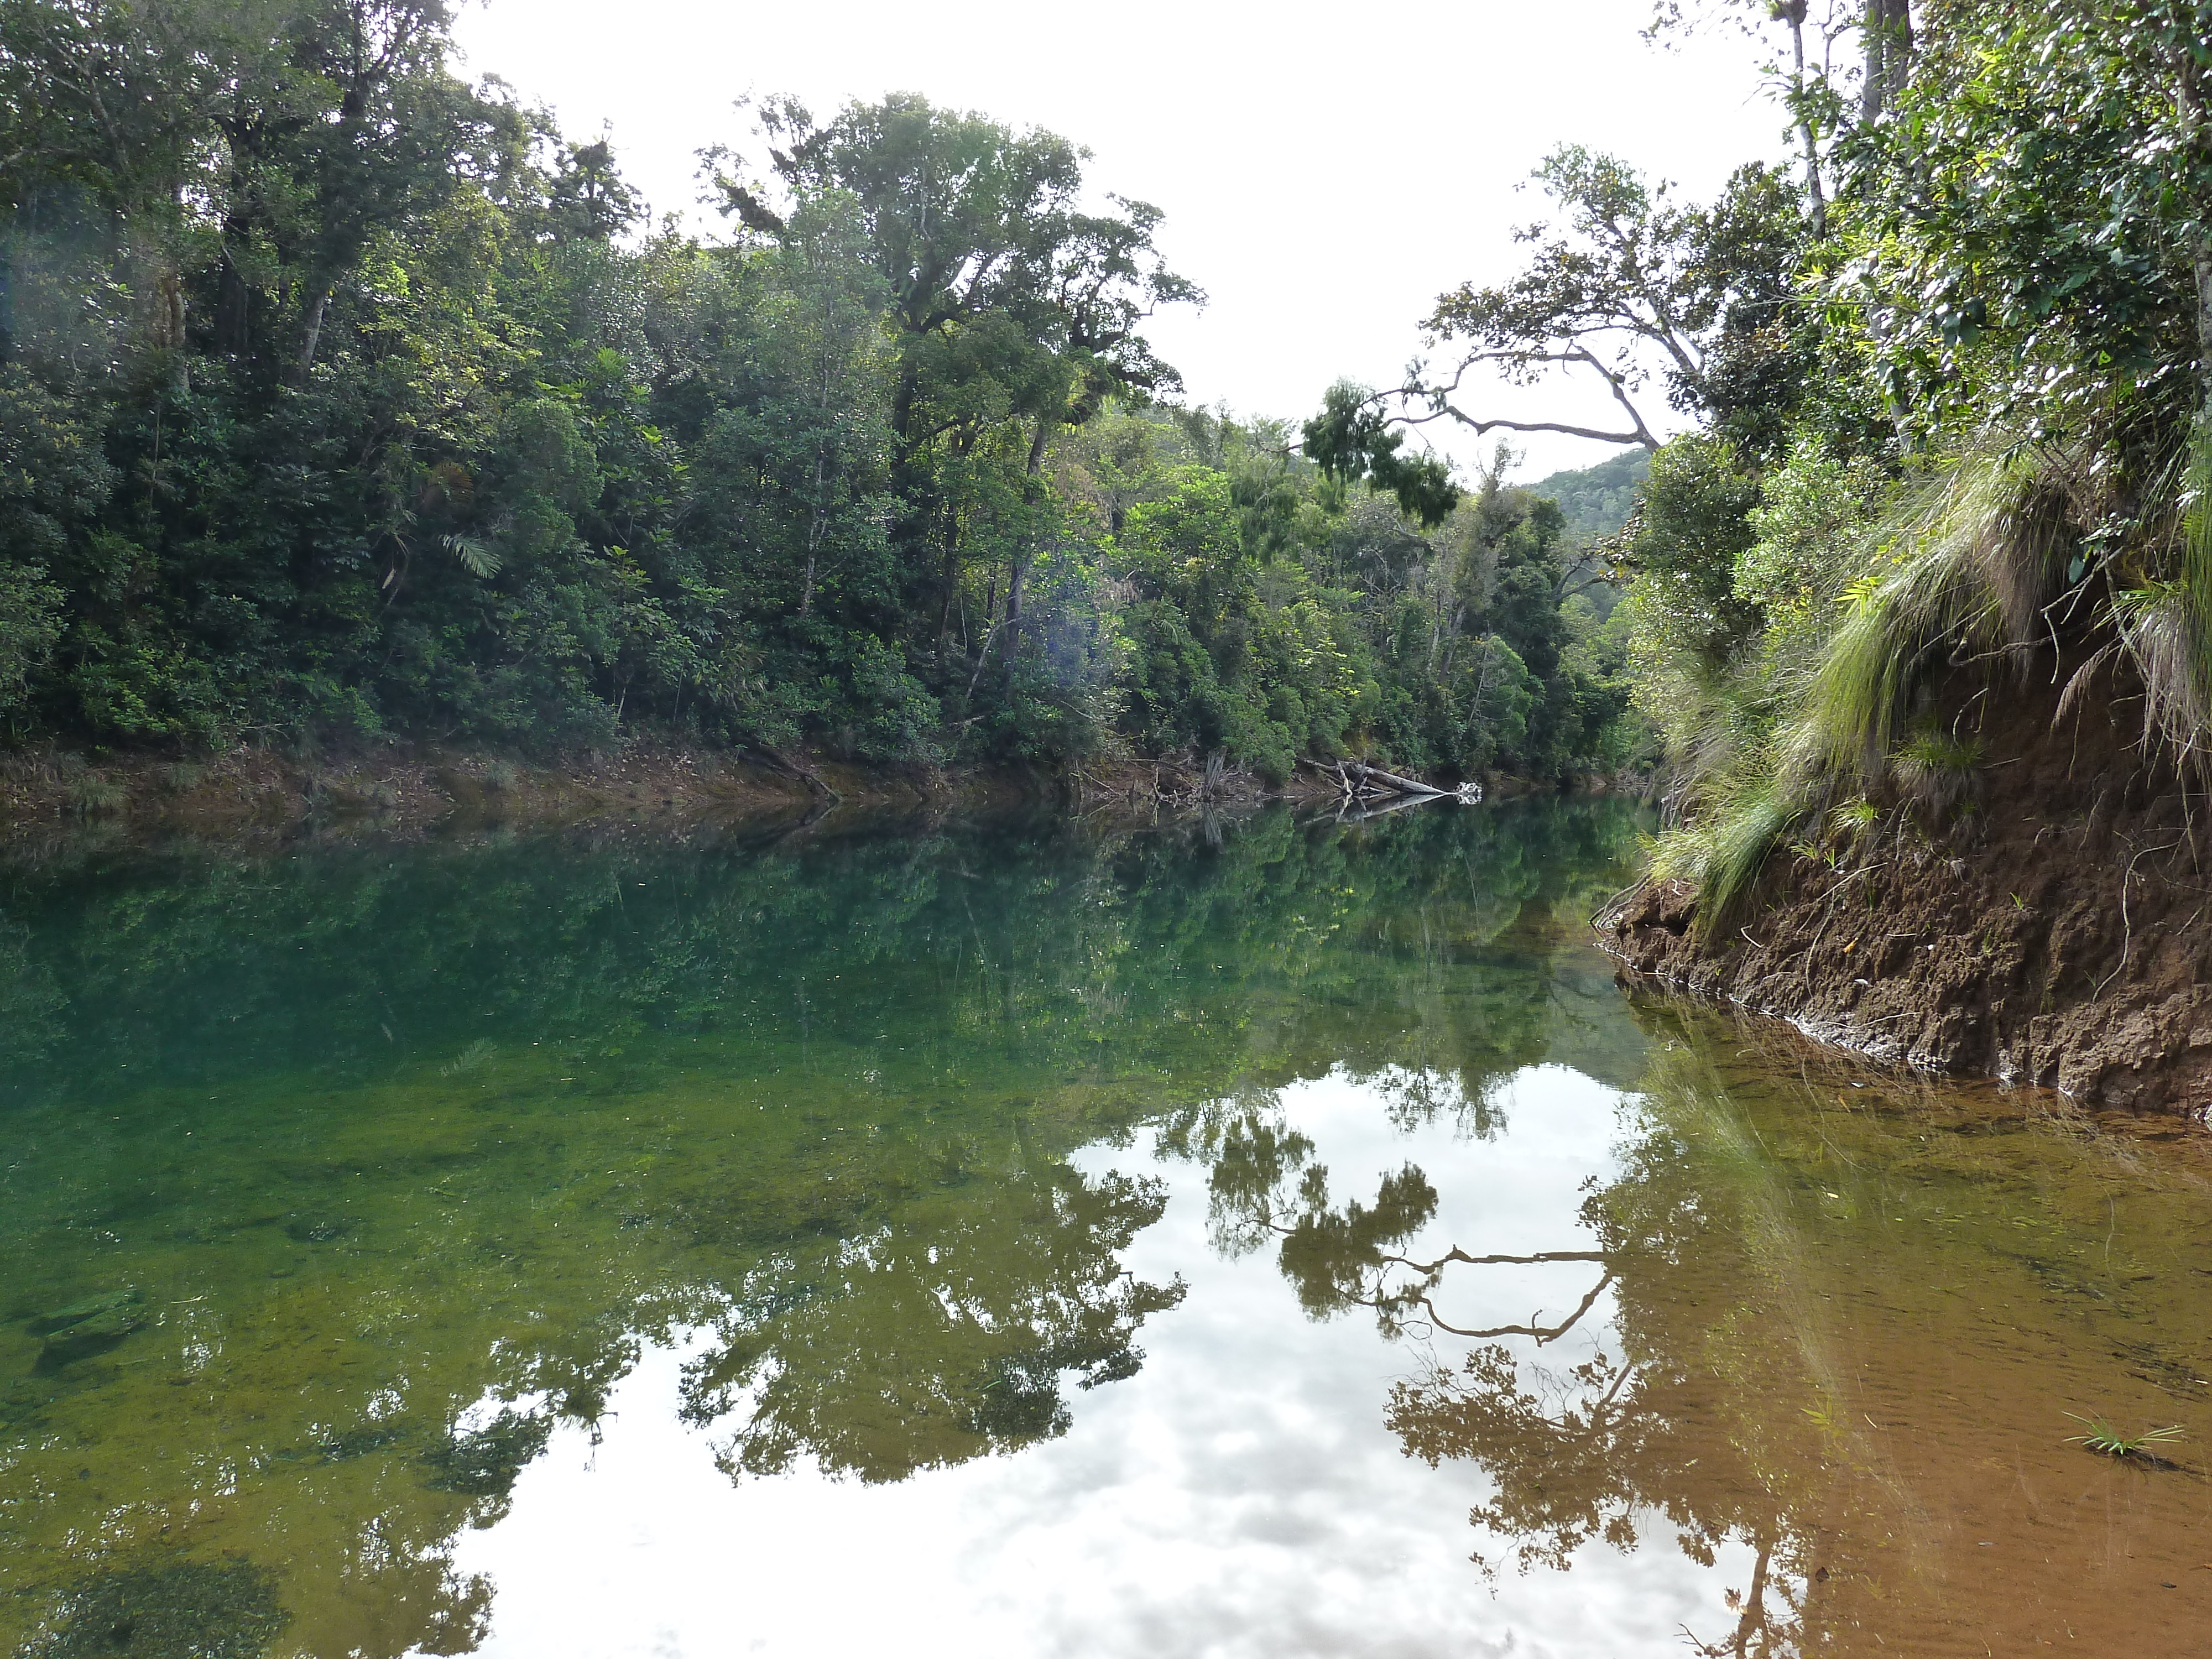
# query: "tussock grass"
2196,552
1968,563
96,797
1853,819
2164,621
1938,769
1725,847
1990,560
1966,560
2161,628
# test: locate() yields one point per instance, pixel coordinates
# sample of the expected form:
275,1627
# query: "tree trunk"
1888,54
814,541
948,579
2200,253
314,331
1366,774
1793,13
1017,580
2188,90
234,309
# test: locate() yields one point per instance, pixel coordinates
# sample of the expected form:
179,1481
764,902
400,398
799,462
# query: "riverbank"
253,793
2043,927
406,791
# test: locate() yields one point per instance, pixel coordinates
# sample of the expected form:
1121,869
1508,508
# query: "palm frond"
480,559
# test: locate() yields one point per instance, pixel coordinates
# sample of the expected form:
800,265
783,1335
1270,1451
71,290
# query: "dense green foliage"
1268,614
2013,275
342,398
1950,395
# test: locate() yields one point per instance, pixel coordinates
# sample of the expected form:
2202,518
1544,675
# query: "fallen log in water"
1366,773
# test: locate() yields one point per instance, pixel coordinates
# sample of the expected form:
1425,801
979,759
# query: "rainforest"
720,933
342,401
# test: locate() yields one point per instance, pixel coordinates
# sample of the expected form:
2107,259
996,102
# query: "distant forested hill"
1596,500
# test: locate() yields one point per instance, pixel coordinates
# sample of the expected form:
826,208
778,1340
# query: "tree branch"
1639,436
1440,407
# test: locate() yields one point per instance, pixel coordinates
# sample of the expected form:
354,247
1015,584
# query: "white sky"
1325,170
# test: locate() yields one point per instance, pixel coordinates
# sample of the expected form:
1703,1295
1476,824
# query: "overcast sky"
1325,170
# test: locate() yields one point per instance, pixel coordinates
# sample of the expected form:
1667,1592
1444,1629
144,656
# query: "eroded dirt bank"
2051,928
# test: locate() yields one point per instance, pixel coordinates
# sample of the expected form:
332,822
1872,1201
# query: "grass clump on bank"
1862,694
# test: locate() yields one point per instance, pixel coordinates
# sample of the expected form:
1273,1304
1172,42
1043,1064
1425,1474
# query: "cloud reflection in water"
1241,1495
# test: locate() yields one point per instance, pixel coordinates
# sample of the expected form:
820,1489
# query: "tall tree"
1636,284
1015,312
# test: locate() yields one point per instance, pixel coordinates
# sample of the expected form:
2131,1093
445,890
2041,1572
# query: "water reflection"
1239,1495
1081,1244
1844,1327
945,1336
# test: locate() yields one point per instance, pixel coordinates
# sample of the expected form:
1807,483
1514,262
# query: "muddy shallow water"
1262,1239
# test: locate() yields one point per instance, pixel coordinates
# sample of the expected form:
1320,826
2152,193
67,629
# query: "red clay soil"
2055,931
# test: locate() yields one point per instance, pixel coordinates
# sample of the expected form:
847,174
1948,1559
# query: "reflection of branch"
1542,1334
1392,1305
1457,1254
1431,1270
1752,1623
1612,1392
1566,1424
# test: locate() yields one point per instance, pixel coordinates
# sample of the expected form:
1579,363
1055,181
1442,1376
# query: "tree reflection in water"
1783,1256
1694,1406
413,1154
943,1339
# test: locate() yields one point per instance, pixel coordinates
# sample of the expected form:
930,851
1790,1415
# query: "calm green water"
1269,1240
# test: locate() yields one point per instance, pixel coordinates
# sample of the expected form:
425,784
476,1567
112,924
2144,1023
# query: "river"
1261,1238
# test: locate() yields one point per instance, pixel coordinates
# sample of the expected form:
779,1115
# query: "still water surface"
1025,1241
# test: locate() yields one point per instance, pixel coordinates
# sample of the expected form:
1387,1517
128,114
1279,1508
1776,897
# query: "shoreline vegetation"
1920,605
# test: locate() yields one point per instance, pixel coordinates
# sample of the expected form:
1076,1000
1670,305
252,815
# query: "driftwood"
776,761
1369,792
1391,781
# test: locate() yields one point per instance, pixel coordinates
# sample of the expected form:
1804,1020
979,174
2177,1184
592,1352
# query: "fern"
480,559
